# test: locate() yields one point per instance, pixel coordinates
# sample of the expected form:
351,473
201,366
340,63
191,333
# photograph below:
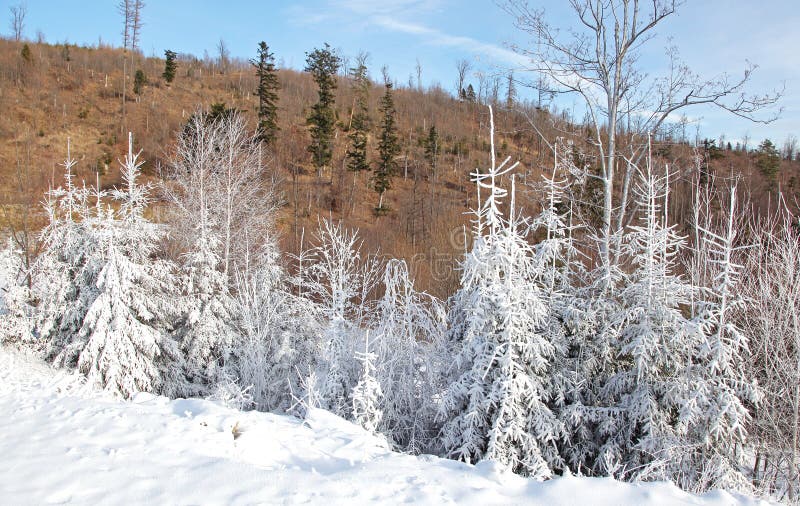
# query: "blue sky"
713,36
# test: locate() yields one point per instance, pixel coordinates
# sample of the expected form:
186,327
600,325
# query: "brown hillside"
74,92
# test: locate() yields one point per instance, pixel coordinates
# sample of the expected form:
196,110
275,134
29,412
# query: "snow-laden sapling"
126,346
408,326
367,393
15,309
497,405
340,279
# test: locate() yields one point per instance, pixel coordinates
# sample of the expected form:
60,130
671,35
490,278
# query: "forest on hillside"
468,274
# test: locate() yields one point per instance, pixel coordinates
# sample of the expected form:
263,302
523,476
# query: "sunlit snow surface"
61,442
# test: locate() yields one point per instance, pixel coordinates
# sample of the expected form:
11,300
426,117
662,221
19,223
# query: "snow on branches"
497,404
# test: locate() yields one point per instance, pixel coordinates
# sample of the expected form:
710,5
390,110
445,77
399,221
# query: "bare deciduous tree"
597,59
220,188
223,55
18,13
790,147
772,322
463,67
418,69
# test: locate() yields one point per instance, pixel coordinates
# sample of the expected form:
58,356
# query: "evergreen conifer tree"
323,65
170,65
388,148
15,309
497,405
654,348
768,160
66,272
124,337
139,81
359,125
267,93
432,148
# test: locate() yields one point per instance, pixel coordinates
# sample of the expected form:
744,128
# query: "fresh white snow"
62,442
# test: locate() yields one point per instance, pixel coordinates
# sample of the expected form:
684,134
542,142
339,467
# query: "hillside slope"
61,92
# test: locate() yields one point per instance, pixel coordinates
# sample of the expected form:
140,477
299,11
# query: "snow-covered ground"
61,442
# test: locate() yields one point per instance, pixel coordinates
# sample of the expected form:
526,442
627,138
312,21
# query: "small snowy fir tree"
557,271
715,404
65,274
654,347
127,348
208,328
367,393
496,408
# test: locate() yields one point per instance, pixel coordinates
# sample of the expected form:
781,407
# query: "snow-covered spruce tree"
715,404
16,323
408,327
591,330
496,407
367,394
558,271
208,327
340,279
648,388
127,346
65,274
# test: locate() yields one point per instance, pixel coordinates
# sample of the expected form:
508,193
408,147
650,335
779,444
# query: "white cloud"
393,15
389,7
436,37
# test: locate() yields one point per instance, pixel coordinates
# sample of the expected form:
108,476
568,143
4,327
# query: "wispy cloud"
437,37
389,7
396,16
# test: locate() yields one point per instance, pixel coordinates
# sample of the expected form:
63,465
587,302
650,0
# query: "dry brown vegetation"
67,92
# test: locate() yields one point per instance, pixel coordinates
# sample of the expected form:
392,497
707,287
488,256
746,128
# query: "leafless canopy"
463,67
131,11
598,59
18,13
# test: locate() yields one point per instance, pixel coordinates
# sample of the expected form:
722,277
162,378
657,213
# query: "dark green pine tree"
139,81
359,125
267,93
322,64
768,161
432,148
388,148
170,65
469,94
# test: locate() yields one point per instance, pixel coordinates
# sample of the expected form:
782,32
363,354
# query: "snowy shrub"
279,342
408,326
230,393
340,279
367,393
16,323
